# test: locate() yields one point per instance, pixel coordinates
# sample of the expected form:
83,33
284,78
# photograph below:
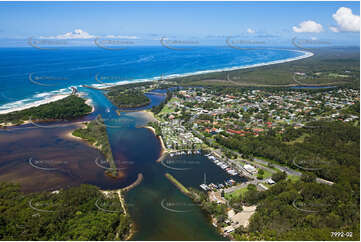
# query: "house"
250,168
270,181
263,187
228,229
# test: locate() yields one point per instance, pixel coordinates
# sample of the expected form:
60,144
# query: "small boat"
204,187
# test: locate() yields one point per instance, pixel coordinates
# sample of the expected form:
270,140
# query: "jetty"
134,184
179,185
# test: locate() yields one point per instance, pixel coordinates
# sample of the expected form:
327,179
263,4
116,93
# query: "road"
263,165
289,171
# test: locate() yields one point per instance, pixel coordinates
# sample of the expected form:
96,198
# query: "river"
43,158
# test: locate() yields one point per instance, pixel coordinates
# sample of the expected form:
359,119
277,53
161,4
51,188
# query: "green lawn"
266,174
293,178
166,109
236,194
298,140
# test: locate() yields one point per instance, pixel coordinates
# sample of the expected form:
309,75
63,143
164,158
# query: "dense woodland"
330,149
337,65
128,96
72,214
302,210
305,210
68,108
96,134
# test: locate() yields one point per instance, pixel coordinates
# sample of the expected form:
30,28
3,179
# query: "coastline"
163,149
306,54
88,101
35,104
46,101
57,97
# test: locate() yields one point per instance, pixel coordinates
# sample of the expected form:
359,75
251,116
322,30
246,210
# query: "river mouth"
47,159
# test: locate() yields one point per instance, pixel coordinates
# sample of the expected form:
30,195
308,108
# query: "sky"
273,22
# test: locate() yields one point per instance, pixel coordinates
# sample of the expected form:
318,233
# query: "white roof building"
250,168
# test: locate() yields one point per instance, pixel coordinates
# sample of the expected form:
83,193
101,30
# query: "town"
193,118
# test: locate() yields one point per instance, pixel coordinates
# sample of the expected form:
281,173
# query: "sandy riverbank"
149,115
150,128
69,134
88,101
163,151
11,124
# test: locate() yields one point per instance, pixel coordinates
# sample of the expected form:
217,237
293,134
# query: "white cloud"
308,27
251,31
313,38
121,37
334,29
76,34
346,21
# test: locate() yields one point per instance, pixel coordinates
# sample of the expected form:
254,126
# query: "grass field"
266,174
298,140
236,194
293,178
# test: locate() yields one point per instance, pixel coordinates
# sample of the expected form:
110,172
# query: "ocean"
29,75
160,211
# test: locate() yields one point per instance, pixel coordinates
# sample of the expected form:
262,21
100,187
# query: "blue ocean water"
30,74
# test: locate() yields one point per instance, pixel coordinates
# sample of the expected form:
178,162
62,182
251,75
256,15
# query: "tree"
278,176
308,177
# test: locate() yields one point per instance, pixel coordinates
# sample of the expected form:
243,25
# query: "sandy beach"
306,54
88,101
164,150
69,134
11,124
57,97
35,104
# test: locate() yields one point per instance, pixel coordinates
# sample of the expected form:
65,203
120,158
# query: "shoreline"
54,98
69,134
132,226
35,104
306,54
163,149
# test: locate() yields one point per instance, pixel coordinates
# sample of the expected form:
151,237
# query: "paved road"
289,171
264,165
240,186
